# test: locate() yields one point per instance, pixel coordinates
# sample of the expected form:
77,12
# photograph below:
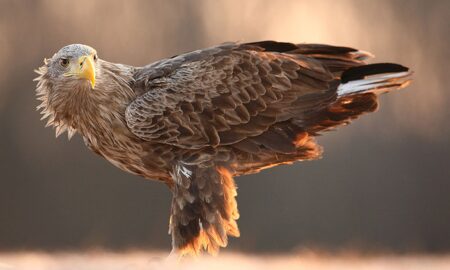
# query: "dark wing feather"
225,94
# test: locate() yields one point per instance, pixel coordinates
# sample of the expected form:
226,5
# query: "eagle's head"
74,65
74,84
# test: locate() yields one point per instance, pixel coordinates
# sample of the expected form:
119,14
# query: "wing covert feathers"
228,95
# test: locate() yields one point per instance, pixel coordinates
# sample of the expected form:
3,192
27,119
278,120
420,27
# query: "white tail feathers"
378,83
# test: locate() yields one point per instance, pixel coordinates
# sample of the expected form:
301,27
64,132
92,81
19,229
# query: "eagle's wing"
224,94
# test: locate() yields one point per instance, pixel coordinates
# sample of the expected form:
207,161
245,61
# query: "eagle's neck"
103,115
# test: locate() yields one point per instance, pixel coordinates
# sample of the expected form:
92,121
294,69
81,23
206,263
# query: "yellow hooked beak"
84,68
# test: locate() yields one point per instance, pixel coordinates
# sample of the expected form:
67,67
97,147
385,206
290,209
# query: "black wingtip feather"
302,48
274,46
358,73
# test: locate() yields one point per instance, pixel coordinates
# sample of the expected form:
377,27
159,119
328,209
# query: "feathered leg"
204,209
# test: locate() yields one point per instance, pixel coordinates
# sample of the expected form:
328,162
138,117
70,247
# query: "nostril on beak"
82,62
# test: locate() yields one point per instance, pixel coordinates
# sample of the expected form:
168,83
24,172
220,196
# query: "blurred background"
382,185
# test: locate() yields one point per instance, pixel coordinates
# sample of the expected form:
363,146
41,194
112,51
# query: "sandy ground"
149,260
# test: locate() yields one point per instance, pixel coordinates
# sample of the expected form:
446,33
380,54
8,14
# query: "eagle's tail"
375,78
358,94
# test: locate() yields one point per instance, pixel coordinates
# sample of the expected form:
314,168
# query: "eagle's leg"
204,209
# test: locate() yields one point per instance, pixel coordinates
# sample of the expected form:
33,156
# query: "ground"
155,260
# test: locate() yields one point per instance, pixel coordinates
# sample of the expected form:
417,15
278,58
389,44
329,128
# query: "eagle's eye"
64,62
95,57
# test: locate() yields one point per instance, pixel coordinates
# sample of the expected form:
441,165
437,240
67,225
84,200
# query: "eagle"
196,120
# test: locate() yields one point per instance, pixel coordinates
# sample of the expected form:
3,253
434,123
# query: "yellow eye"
64,62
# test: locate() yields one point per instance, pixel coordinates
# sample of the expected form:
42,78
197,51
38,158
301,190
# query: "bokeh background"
384,181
